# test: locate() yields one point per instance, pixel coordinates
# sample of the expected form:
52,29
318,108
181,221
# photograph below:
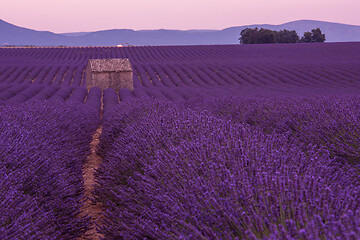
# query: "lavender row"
56,74
19,93
43,148
270,53
322,66
199,75
332,122
170,172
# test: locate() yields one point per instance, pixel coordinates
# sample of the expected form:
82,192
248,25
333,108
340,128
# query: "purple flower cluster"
110,99
43,146
172,172
332,122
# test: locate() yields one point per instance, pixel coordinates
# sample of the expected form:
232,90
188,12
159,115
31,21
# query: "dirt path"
92,163
93,210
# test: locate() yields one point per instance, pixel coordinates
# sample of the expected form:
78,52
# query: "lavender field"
182,72
214,142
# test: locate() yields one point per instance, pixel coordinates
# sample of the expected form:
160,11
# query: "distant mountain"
75,34
334,32
14,35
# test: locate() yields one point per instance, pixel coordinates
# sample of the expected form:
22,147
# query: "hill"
14,35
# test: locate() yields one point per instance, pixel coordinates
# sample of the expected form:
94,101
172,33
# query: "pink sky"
90,15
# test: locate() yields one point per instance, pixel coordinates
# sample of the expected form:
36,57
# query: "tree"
307,38
286,36
262,35
314,36
255,36
317,36
248,36
266,36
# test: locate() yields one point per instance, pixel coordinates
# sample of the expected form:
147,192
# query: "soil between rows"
89,208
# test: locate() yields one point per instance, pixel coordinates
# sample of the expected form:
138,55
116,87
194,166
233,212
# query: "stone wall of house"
109,73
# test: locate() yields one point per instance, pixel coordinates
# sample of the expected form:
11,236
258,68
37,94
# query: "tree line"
262,35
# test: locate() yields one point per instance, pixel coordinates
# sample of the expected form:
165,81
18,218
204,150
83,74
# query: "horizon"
253,24
67,16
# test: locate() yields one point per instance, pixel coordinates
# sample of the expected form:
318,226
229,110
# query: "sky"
62,16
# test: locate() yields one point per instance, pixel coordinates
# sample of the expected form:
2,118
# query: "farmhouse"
109,73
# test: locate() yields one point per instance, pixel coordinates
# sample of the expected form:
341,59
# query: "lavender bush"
43,147
331,121
170,172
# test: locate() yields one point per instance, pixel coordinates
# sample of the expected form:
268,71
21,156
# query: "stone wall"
109,73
